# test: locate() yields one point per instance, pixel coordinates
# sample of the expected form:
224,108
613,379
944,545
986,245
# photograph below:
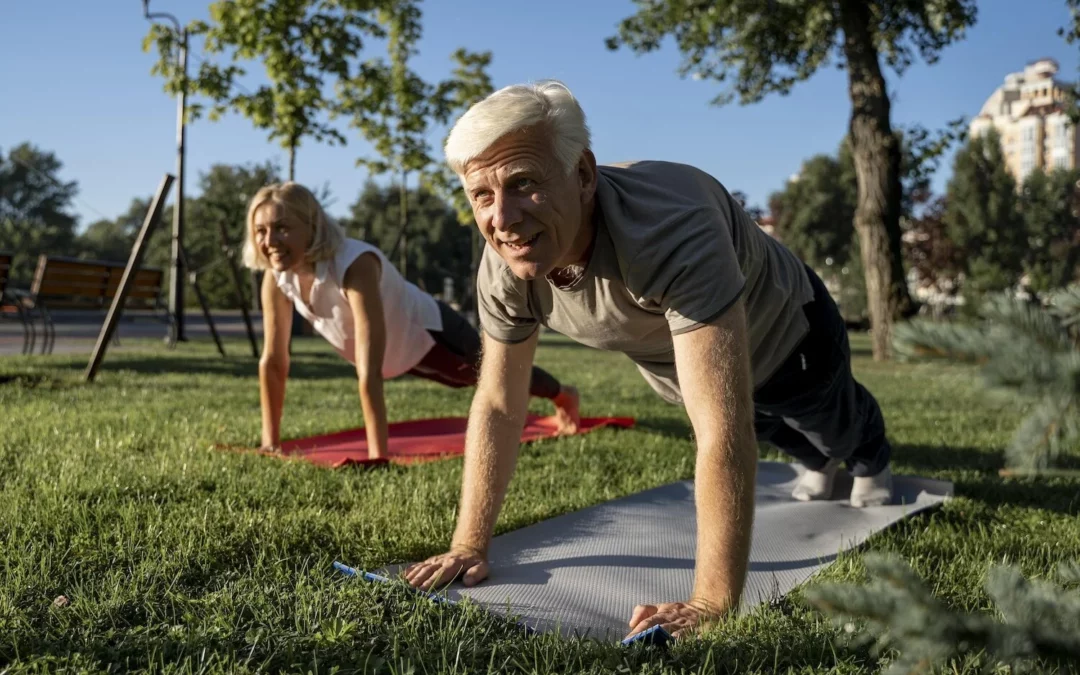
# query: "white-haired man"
655,260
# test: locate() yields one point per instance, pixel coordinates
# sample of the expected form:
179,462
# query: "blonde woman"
359,302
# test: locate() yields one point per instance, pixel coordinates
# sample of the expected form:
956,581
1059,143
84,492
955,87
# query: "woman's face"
281,239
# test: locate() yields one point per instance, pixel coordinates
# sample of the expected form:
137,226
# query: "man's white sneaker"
872,490
816,485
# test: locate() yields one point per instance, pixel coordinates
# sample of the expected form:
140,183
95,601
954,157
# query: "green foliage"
771,51
469,84
1041,619
1027,353
982,216
390,103
930,252
397,126
300,44
815,212
439,246
1048,207
34,205
225,191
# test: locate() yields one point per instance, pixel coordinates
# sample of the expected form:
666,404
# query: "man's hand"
496,418
677,618
442,569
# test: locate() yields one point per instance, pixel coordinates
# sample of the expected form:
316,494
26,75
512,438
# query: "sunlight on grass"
177,557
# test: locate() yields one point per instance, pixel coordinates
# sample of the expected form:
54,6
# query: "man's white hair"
520,106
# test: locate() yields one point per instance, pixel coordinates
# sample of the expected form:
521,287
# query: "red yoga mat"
419,440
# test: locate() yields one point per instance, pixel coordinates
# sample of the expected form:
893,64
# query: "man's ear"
586,173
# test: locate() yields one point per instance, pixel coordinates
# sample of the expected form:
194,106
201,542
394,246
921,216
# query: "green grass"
179,558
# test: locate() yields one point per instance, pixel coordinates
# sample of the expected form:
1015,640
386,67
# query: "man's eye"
525,183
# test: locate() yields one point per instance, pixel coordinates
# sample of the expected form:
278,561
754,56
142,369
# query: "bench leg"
49,329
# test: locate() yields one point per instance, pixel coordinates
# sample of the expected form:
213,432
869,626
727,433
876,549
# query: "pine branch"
1024,349
896,611
1043,619
1050,430
921,339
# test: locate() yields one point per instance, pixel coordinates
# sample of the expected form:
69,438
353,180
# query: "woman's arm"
274,364
362,290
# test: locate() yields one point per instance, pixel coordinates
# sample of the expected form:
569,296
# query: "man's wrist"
471,549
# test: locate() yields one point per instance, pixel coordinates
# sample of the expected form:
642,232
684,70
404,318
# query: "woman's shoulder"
352,256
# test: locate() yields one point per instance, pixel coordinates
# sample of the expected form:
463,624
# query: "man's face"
527,208
282,240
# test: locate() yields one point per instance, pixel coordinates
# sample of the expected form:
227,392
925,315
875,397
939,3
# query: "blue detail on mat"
653,636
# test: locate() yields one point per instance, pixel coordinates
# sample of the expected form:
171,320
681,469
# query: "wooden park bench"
10,304
71,283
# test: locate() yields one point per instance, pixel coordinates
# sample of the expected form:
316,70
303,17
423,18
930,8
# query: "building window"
1061,162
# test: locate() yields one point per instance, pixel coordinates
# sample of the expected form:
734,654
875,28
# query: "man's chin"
528,270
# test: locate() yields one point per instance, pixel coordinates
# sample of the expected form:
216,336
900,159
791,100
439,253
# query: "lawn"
179,558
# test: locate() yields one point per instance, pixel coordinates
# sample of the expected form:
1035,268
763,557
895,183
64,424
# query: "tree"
34,205
1048,206
814,213
754,211
1040,620
1028,355
936,260
226,191
440,247
397,123
769,51
469,84
299,43
982,216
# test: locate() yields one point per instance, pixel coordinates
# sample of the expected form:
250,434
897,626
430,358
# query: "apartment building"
1028,111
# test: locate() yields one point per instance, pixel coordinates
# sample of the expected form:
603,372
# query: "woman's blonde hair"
300,205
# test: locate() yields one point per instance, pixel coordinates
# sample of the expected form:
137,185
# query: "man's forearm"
492,440
724,493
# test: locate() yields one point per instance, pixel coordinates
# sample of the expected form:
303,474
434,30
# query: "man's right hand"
442,569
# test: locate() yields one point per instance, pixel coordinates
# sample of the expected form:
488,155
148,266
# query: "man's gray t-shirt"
672,252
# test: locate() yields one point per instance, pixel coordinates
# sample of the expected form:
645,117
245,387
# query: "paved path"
77,332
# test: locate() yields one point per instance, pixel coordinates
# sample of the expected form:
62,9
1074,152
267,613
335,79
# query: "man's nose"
506,213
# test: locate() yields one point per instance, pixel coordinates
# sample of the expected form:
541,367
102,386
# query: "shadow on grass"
671,427
303,367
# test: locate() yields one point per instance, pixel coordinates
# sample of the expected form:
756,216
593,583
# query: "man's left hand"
677,618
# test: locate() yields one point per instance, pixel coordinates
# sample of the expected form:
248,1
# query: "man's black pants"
812,408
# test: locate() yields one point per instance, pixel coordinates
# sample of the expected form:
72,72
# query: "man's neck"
578,259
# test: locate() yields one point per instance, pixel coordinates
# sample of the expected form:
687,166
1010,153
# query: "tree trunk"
403,220
400,244
877,165
292,161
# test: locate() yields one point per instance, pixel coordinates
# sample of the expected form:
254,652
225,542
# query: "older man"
655,260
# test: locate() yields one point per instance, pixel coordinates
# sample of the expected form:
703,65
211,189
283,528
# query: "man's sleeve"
502,301
691,269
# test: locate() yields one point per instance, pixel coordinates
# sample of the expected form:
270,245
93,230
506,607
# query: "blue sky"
77,83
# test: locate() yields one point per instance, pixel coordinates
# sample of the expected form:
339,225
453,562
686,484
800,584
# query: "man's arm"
496,418
713,365
361,286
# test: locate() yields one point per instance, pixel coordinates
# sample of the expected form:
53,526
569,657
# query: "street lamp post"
176,280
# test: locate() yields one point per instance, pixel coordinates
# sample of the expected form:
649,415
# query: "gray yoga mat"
582,573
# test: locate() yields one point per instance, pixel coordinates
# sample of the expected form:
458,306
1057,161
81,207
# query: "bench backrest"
70,283
5,270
